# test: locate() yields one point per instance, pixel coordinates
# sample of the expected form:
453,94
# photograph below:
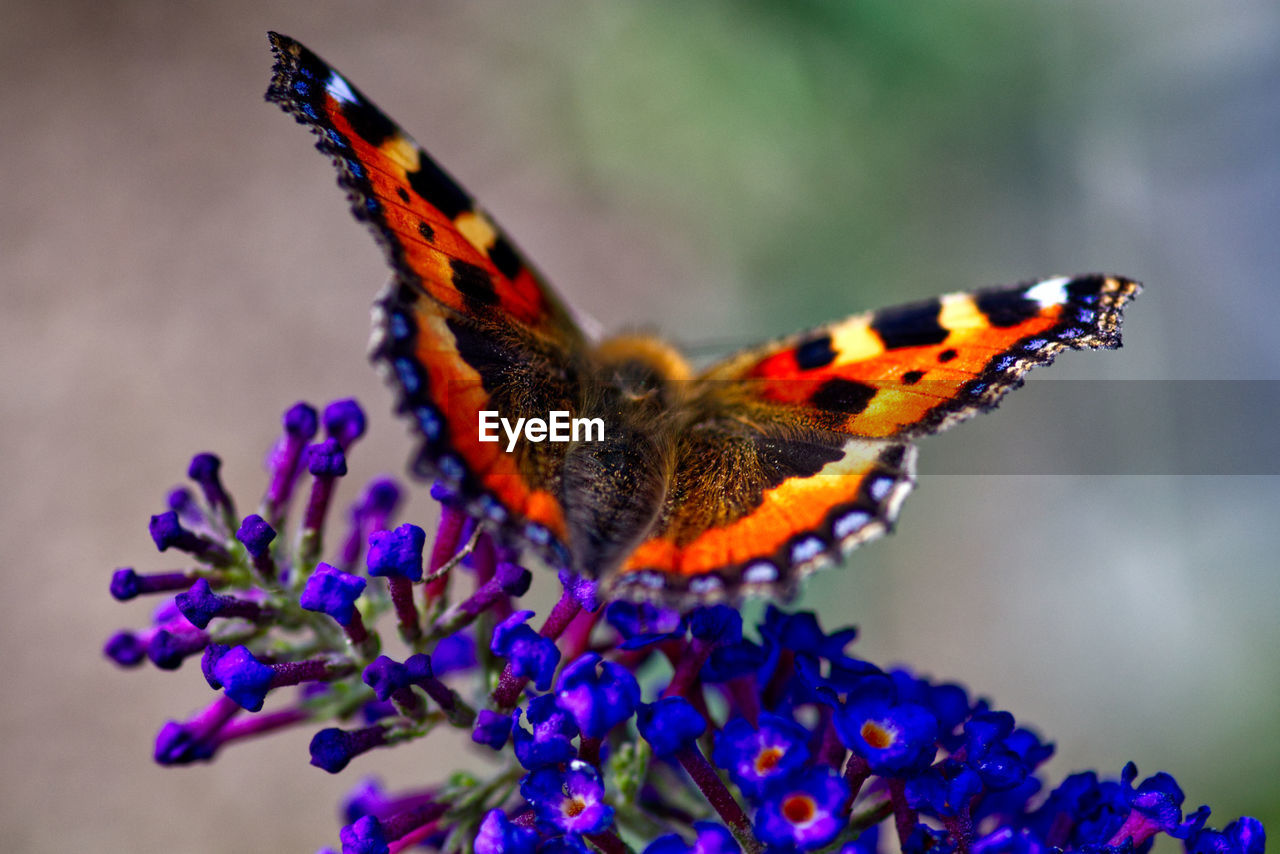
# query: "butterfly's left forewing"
466,325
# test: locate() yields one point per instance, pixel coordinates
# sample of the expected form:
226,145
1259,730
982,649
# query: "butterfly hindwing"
826,417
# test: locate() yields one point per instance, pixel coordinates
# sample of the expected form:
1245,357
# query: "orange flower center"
876,735
767,759
798,809
573,807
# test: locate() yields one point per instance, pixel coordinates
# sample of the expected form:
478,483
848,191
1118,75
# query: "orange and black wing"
466,324
801,449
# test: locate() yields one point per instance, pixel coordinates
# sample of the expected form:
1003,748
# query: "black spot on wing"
505,258
438,189
402,193
1086,286
815,353
482,352
781,459
947,355
428,233
474,283
912,377
912,326
845,396
368,121
1006,308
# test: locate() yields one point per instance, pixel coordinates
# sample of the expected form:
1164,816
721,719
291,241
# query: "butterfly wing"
809,438
466,325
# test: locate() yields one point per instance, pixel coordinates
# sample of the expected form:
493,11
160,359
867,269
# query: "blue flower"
333,592
764,758
895,739
332,748
498,835
716,624
1155,807
326,459
256,535
945,790
453,653
1002,760
1243,836
643,623
551,741
344,421
245,679
711,839
386,676
805,813
364,836
571,800
599,694
530,654
492,729
398,553
669,725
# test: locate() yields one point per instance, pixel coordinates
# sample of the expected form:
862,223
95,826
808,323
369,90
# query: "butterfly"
704,486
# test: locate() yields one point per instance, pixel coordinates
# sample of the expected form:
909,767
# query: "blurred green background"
178,267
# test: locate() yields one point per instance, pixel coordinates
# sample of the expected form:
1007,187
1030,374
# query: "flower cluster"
619,727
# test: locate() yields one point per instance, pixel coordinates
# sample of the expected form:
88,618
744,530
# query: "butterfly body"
706,485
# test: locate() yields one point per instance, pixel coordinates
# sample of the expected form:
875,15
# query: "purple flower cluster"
621,728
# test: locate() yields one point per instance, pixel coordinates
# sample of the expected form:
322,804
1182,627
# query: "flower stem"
720,798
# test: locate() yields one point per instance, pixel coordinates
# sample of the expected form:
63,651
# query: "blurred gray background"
178,267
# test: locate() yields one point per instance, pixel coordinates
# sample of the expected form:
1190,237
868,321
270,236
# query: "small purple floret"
344,421
599,694
453,653
894,738
364,836
125,649
204,470
397,553
127,584
301,421
643,623
718,624
256,535
182,502
761,759
326,459
551,742
332,748
804,814
1245,835
499,835
571,800
245,679
529,653
492,729
167,531
669,725
332,592
171,645
711,839
177,744
583,590
386,676
944,790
